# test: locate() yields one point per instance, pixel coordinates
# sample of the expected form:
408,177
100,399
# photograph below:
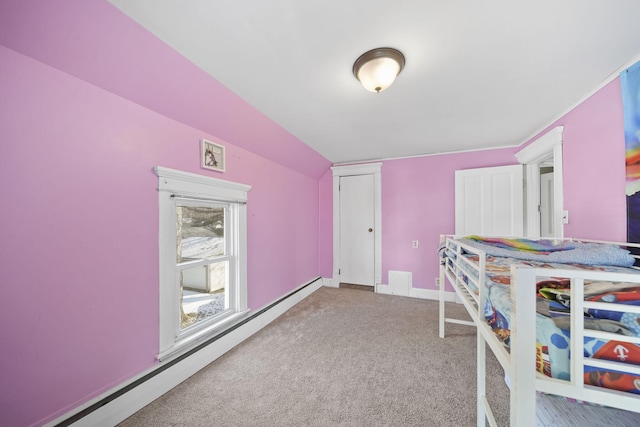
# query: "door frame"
544,188
548,146
374,169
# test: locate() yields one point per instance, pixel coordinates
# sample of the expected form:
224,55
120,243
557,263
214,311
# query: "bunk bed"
535,303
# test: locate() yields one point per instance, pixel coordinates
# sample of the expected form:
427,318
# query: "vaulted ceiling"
479,74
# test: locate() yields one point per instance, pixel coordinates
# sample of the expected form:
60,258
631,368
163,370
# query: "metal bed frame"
519,360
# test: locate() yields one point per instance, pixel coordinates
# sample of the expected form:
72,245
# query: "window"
202,242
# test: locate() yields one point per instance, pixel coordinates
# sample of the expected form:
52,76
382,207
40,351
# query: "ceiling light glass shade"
377,69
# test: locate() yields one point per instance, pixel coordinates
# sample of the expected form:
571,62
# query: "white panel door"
357,243
490,201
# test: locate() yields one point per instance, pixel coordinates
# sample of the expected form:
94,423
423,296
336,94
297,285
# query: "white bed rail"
525,380
519,360
456,270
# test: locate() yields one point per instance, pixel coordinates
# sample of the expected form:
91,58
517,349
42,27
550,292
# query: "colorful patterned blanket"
553,327
525,245
548,251
553,333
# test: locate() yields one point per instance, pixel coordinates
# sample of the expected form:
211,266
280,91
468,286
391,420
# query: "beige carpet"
342,357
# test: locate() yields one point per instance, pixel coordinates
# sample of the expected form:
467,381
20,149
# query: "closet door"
357,234
490,201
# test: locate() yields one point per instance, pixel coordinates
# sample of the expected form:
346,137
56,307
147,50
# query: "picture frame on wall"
212,156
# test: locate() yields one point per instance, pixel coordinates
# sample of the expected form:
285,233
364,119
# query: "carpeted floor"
342,357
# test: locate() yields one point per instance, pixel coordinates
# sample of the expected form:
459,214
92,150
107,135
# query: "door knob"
370,230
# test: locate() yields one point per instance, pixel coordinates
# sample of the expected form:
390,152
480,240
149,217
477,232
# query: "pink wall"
78,258
79,208
418,204
418,193
594,166
79,233
94,41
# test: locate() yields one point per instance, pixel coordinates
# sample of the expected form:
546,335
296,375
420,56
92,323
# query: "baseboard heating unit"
120,403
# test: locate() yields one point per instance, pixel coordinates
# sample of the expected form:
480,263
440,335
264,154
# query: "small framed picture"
212,156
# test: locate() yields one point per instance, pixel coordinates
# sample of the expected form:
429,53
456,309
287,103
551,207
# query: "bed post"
441,318
523,347
481,363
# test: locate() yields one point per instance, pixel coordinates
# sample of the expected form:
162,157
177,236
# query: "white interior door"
546,205
357,232
490,201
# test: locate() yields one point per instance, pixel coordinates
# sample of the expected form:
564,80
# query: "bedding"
565,252
553,302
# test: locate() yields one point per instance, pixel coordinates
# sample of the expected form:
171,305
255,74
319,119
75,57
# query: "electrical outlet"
414,244
437,282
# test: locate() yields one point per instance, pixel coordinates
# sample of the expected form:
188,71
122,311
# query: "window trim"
172,183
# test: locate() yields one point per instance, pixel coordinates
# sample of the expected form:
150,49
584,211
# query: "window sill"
187,343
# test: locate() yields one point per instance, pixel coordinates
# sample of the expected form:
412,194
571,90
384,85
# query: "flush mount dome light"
378,68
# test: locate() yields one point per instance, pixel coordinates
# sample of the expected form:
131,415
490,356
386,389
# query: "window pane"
204,292
200,232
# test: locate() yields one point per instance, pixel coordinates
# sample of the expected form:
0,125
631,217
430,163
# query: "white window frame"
174,185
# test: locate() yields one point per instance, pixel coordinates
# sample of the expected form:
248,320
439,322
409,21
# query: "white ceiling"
478,74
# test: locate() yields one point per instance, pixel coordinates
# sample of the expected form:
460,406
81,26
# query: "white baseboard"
421,293
434,294
125,405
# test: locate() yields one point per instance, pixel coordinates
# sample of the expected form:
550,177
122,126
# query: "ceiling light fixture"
378,68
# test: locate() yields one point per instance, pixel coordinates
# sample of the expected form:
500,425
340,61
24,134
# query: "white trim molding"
419,293
374,169
548,146
541,148
200,185
171,184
